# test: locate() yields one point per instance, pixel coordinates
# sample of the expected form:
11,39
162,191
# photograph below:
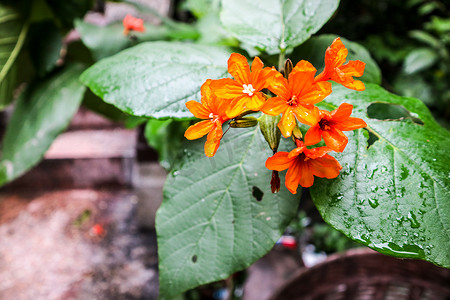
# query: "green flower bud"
270,131
244,122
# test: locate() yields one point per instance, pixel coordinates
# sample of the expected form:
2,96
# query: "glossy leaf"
155,79
272,25
13,30
314,51
211,224
392,195
41,113
419,59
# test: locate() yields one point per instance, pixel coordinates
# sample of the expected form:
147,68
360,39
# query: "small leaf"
155,79
393,195
219,214
41,113
275,25
166,136
314,51
418,60
13,30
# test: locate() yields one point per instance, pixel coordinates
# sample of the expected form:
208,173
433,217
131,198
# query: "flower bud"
297,134
275,182
270,131
288,66
244,122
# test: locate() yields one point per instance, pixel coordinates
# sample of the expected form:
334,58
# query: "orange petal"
293,176
308,116
197,109
325,167
237,106
279,86
255,102
316,93
198,130
295,152
336,54
213,140
238,67
317,152
335,139
353,68
301,78
278,162
264,78
356,85
287,123
351,124
342,112
306,177
274,106
313,135
226,88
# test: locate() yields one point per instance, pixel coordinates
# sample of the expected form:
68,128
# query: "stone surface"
75,244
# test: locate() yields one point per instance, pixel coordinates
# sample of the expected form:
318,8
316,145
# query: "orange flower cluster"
295,99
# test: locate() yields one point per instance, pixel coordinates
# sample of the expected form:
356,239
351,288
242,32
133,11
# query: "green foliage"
46,47
273,26
155,79
165,136
41,113
392,195
13,31
211,224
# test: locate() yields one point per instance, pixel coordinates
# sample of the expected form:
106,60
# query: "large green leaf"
155,79
273,25
314,51
211,223
392,195
13,30
41,113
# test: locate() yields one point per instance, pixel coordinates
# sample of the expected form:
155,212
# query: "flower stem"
281,59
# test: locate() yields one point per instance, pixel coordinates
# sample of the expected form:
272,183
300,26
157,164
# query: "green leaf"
314,51
41,113
165,136
210,224
13,31
418,60
155,79
105,41
47,42
392,195
275,25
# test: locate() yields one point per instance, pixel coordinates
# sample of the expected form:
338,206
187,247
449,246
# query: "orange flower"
303,164
132,23
245,90
296,97
213,110
335,70
331,125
